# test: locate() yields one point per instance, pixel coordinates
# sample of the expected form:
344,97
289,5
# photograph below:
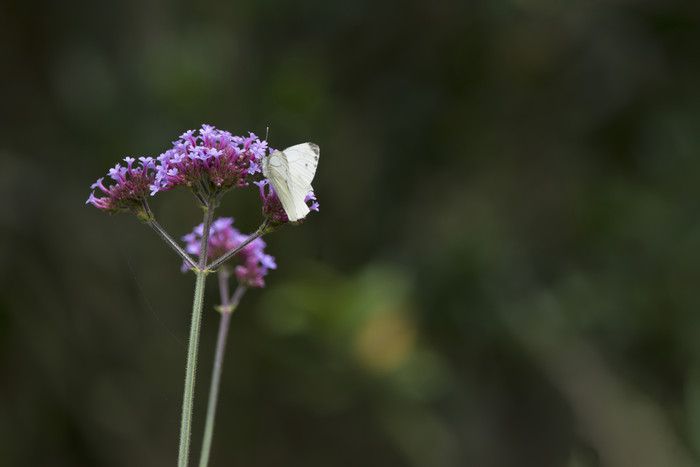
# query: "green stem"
197,305
204,249
227,307
188,398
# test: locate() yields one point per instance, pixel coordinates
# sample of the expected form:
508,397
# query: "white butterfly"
290,172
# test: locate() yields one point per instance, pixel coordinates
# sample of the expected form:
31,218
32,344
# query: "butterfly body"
290,172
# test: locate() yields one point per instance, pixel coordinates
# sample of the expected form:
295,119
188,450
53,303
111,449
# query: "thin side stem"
147,216
172,243
258,233
224,274
227,308
200,198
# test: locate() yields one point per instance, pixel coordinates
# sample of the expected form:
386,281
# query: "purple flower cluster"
216,158
224,159
223,237
272,206
131,186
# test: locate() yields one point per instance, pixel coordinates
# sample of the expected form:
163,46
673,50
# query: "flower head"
253,263
130,188
272,206
213,156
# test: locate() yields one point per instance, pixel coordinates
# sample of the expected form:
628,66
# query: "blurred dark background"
504,271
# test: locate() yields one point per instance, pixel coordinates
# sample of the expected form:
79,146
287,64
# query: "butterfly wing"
302,161
277,170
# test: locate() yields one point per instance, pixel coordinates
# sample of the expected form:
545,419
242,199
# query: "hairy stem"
188,398
193,347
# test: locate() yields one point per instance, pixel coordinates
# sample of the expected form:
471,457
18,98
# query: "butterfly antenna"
267,134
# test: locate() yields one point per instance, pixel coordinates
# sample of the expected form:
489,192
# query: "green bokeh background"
504,272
